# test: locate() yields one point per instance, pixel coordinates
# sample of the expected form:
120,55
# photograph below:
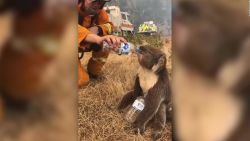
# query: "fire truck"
148,28
120,20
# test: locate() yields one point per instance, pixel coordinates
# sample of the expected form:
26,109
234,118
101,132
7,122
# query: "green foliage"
154,40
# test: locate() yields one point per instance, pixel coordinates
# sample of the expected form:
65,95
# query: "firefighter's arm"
105,26
82,34
85,36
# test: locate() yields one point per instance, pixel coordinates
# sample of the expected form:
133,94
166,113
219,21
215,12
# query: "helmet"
104,1
79,1
101,0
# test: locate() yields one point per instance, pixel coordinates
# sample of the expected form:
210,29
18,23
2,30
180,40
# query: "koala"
211,82
152,83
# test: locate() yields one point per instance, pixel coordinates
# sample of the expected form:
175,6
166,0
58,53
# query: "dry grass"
99,119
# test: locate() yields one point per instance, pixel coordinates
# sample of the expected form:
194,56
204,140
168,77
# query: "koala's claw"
155,136
139,129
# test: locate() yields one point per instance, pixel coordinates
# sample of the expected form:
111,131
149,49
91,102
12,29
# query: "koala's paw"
155,136
138,128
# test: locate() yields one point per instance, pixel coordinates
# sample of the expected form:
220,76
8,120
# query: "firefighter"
94,28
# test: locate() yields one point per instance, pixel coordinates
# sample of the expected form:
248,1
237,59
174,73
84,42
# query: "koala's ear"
161,64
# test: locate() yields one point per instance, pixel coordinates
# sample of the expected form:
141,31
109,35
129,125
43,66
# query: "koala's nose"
138,50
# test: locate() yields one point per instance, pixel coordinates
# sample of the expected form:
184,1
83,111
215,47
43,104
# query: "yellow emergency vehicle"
148,28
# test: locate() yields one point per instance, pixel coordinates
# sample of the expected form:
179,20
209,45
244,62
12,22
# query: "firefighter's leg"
83,77
97,60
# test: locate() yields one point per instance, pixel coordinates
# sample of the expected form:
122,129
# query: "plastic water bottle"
135,109
125,48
